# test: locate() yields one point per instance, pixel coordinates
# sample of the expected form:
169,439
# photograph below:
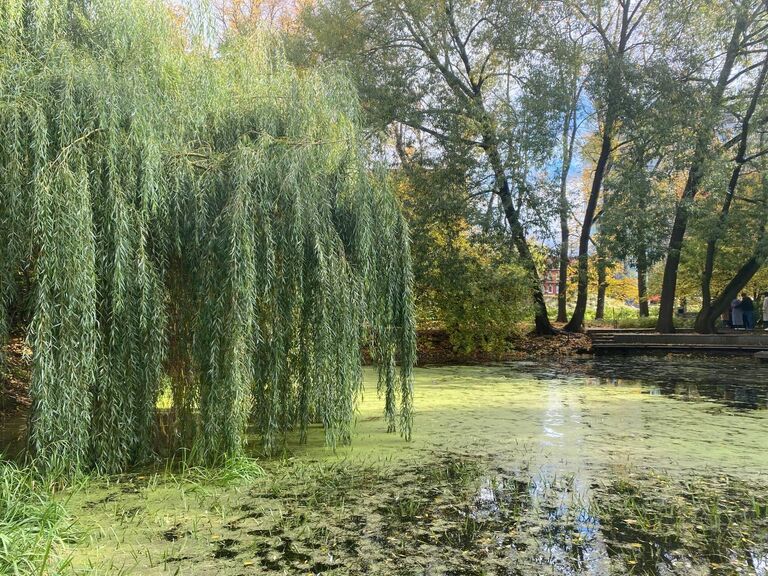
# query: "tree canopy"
207,221
519,95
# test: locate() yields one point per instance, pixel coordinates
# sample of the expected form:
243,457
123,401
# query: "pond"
673,412
605,465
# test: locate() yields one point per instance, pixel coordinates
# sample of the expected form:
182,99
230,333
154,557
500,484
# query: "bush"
474,292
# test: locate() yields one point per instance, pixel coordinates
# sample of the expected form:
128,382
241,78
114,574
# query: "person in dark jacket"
737,318
747,307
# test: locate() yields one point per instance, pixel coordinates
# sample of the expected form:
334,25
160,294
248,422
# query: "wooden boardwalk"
734,342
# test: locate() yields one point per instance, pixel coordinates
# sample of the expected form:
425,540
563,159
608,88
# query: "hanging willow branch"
244,274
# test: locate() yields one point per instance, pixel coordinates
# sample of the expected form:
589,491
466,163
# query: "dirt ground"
434,347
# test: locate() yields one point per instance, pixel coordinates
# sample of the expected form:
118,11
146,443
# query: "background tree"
615,75
738,28
748,149
465,278
458,74
570,64
636,216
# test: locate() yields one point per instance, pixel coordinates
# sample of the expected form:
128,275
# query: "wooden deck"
735,342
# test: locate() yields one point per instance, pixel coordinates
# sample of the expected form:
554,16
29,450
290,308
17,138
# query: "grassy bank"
36,530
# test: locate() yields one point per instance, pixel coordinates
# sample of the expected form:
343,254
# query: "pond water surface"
691,413
601,466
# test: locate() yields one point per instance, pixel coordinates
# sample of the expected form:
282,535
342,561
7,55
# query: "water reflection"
555,524
760,563
736,382
13,433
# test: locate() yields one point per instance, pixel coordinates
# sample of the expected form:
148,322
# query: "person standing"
765,310
747,307
737,322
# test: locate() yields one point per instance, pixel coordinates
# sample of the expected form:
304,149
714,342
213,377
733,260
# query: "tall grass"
34,526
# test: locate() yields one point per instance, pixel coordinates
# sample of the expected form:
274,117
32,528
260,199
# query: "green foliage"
473,87
490,84
637,209
206,220
467,281
739,236
476,294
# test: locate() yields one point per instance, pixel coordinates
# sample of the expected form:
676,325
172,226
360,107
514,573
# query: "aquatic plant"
206,219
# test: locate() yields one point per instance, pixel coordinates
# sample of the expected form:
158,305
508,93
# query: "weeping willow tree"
206,222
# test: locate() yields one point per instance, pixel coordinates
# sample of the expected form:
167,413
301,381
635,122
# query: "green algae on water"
514,469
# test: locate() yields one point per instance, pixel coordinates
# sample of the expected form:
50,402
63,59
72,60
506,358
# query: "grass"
34,527
231,471
455,469
37,533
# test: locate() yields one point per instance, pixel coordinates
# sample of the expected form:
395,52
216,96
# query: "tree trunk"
706,321
665,322
490,145
707,317
615,56
562,278
541,317
569,138
602,284
740,160
577,320
642,286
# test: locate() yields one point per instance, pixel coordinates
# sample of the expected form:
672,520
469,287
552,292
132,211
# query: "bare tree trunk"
665,322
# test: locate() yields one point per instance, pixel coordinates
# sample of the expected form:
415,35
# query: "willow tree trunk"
642,285
665,322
